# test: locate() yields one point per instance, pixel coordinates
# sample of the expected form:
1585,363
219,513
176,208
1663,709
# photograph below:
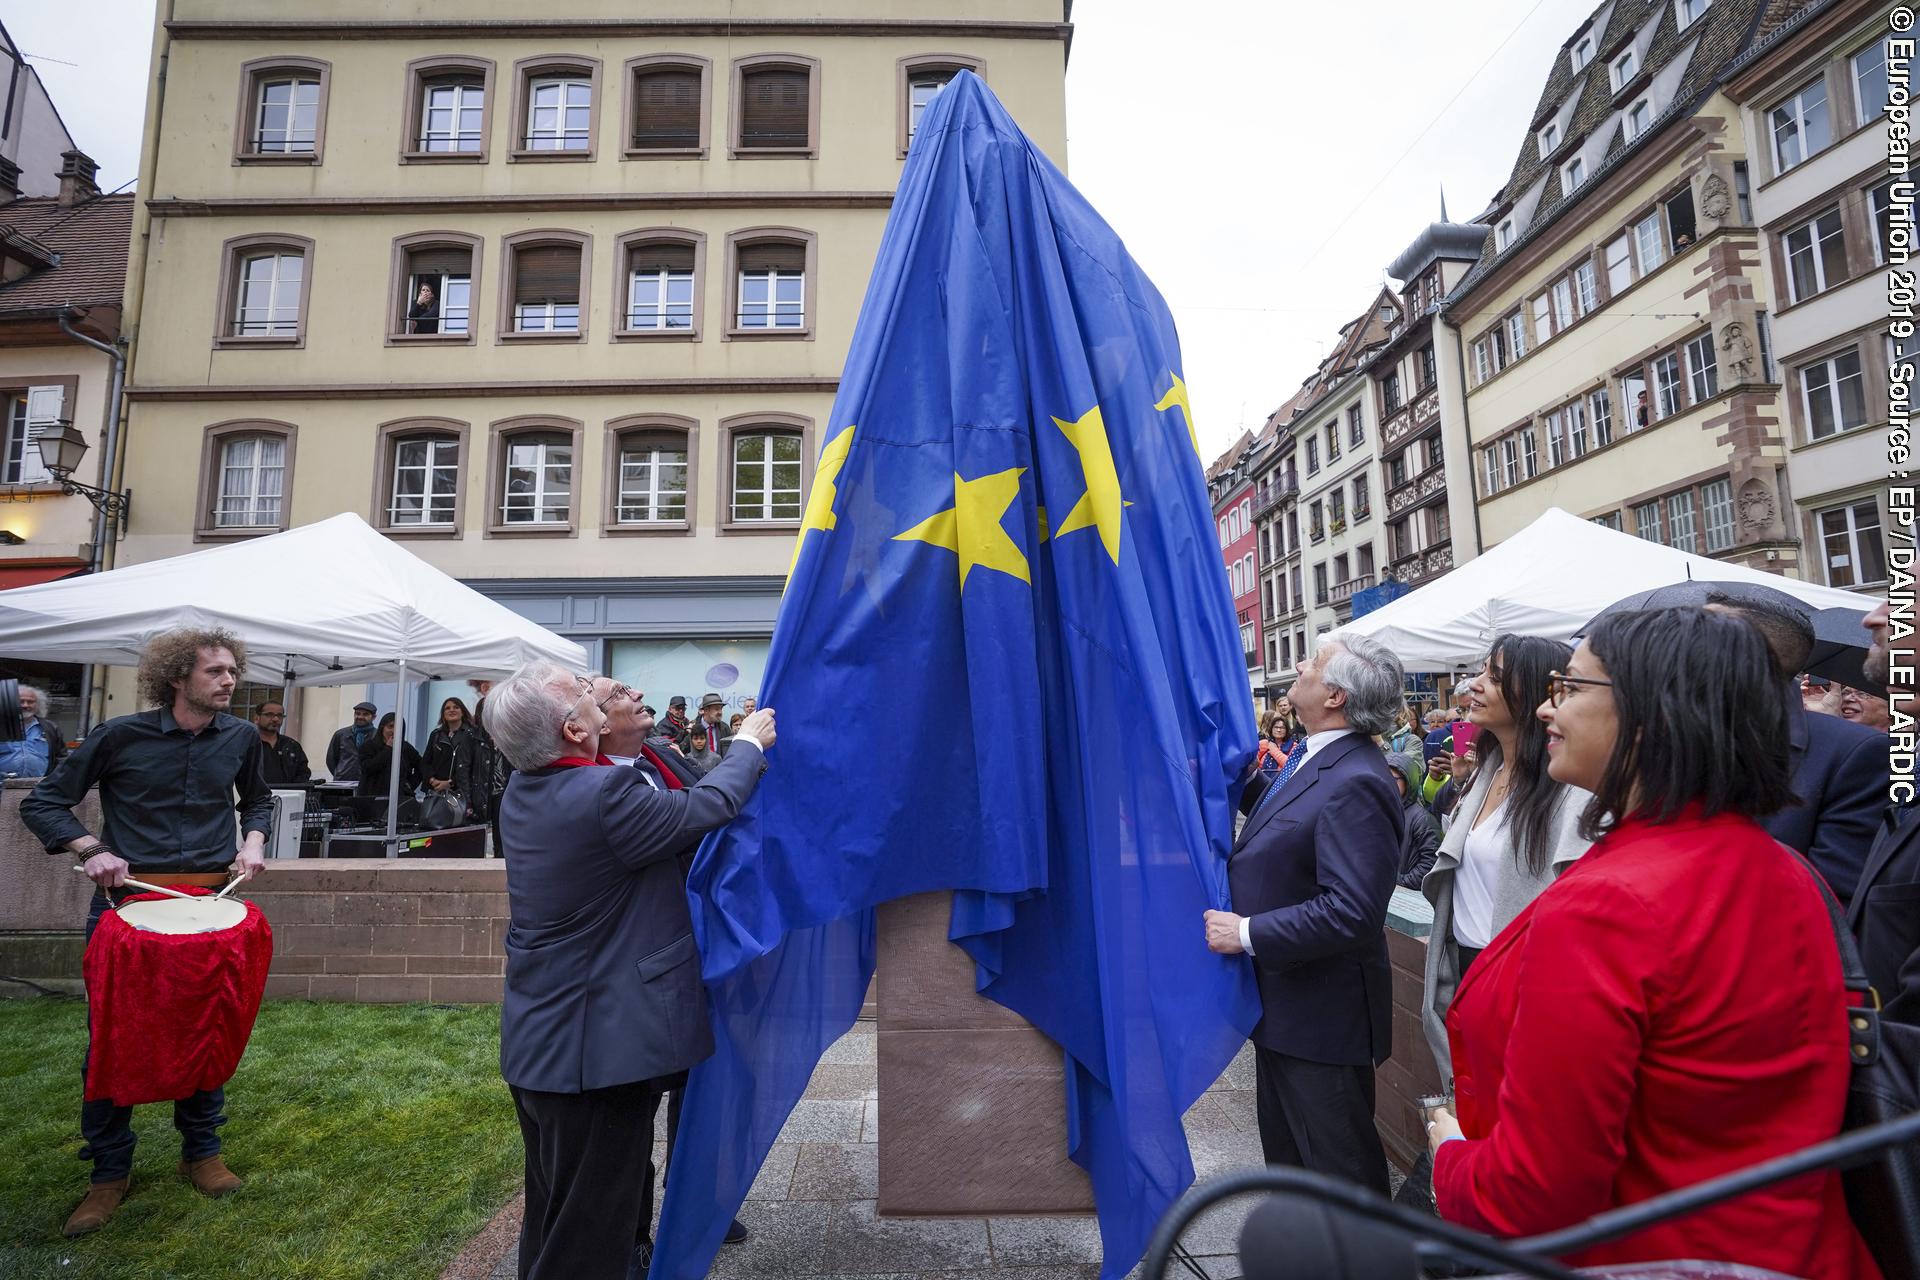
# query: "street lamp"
60,454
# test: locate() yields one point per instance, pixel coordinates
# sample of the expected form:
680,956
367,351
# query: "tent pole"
393,767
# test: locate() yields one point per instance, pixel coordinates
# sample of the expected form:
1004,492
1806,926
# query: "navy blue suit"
1313,872
1886,915
1840,774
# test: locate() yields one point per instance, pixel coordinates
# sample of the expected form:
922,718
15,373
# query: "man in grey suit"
604,1009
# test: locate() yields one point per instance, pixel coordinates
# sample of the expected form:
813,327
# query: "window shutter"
773,107
773,255
662,255
644,439
546,273
44,405
666,108
443,260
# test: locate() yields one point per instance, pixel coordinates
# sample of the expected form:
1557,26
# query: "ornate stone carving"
1756,505
1714,201
1737,353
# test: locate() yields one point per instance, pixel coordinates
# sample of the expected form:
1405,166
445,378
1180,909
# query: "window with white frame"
252,482
1586,288
1834,395
653,478
1503,234
1852,544
559,113
1246,514
1799,126
766,476
1554,424
425,484
1549,138
1542,319
1581,53
772,286
1332,432
1619,265
286,114
1869,68
1716,501
1637,405
660,286
1703,372
1623,69
1880,211
920,90
1529,454
445,274
1647,523
1575,172
1639,116
539,480
1690,11
30,416
266,301
1666,384
1510,461
1223,535
1816,255
1563,312
1356,423
1646,239
1517,334
1482,361
1576,430
1763,323
1680,520
452,108
1602,414
1492,459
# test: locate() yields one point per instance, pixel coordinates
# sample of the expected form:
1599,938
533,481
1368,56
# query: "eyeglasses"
618,693
1560,686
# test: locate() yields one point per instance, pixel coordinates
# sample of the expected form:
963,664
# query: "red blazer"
1667,1011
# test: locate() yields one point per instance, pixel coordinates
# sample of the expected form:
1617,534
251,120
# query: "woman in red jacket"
1671,1008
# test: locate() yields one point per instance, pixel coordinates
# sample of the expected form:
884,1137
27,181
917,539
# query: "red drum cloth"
170,1014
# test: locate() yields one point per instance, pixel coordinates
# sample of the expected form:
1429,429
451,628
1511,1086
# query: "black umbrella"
1839,635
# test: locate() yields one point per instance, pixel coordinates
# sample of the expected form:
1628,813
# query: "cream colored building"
1813,97
649,231
1614,335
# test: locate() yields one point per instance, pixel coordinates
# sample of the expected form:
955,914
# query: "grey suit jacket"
603,980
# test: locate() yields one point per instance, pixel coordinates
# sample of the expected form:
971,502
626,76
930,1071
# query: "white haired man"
604,1010
1310,877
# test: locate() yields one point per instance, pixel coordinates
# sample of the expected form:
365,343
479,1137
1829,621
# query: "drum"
173,987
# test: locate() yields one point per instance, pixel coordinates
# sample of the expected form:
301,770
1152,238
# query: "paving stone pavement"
811,1210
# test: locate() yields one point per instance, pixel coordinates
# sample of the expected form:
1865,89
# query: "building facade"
560,302
1616,330
1232,492
1813,97
33,138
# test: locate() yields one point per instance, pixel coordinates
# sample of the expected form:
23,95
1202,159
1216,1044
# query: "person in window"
1642,409
452,750
376,762
1671,1009
423,316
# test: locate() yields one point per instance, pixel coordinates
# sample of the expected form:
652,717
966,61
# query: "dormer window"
1639,116
1575,172
1549,138
1690,11
1503,234
1624,69
1582,53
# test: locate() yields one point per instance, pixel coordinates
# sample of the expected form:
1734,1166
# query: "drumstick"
233,884
151,888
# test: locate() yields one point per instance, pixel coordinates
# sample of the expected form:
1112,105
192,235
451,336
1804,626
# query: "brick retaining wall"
1411,1072
380,930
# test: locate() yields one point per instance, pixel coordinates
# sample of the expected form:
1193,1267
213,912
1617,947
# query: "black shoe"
642,1259
736,1232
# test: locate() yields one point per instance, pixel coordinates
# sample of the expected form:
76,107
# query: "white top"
1315,742
1483,860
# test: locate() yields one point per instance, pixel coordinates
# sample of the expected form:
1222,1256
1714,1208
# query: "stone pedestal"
972,1098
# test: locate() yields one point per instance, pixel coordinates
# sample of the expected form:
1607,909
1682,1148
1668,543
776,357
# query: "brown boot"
210,1177
103,1199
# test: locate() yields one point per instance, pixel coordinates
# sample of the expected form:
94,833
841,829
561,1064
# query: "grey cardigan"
1515,890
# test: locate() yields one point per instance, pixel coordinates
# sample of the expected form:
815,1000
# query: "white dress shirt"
1316,742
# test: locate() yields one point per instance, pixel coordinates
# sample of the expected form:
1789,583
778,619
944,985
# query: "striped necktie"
1292,767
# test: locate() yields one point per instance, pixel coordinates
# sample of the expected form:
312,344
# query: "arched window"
650,462
246,469
534,476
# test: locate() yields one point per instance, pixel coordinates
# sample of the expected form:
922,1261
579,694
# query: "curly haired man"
170,779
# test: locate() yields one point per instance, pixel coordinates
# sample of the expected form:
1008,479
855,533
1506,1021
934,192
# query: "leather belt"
194,879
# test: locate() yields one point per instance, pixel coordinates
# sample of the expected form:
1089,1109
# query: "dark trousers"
1318,1116
108,1129
589,1179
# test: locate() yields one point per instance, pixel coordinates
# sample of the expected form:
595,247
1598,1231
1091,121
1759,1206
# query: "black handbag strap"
1863,1021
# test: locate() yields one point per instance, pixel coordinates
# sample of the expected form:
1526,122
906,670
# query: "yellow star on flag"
1177,395
820,502
1099,508
971,527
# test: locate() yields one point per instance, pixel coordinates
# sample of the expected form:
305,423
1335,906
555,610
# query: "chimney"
76,177
9,180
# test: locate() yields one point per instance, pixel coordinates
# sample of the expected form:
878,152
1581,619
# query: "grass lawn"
374,1140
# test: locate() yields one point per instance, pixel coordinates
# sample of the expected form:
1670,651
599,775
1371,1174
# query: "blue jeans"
109,1129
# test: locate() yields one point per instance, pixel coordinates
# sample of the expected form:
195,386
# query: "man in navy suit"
604,1008
1885,913
1839,767
1311,875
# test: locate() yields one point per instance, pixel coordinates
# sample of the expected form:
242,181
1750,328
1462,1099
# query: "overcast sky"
1264,162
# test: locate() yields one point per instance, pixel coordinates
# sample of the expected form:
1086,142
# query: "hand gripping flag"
1007,665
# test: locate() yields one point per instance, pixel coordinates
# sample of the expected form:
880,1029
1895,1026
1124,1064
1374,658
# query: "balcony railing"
1417,567
1343,591
1272,495
1411,418
1418,490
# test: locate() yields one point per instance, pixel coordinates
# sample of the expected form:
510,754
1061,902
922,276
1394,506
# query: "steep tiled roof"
1716,38
91,242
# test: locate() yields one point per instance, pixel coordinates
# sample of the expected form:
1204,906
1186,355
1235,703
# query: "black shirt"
167,797
284,764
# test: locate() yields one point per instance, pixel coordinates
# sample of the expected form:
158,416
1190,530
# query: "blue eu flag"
1007,665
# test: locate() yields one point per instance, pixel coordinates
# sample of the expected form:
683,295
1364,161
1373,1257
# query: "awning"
33,574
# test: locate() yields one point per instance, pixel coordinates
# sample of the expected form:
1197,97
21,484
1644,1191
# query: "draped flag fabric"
1007,665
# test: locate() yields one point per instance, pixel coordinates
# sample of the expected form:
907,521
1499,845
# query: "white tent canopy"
1549,579
334,601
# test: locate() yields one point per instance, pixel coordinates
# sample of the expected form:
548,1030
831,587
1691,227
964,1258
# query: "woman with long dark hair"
1672,1008
450,754
376,760
1512,833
